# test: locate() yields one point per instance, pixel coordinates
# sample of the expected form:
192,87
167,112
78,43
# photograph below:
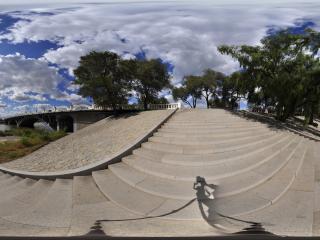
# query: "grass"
30,140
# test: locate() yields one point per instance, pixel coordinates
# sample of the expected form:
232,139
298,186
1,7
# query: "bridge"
74,119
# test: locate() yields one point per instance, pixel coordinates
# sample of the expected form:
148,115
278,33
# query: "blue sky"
41,42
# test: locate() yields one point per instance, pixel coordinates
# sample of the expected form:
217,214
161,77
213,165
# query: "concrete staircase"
166,187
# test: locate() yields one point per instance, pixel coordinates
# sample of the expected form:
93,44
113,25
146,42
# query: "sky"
41,41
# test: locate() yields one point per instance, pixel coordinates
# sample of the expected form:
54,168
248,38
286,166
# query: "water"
4,127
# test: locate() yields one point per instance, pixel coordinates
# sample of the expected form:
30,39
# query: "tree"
105,77
190,91
278,68
311,95
194,88
161,100
181,93
208,84
233,88
151,76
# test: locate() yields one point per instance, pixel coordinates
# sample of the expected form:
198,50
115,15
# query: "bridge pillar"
65,122
75,124
58,124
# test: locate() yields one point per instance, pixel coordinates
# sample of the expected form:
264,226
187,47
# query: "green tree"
190,91
151,76
311,95
208,84
161,100
181,93
278,67
105,77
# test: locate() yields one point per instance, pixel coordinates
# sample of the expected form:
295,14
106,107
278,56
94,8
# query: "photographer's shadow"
206,199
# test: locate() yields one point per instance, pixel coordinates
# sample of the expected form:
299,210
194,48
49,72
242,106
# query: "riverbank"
20,142
4,127
9,138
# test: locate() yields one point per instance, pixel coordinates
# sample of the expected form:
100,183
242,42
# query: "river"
4,127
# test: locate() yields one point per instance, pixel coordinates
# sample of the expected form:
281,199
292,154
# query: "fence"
164,106
140,107
95,107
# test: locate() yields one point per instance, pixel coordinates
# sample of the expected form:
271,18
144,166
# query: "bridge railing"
141,107
165,106
95,107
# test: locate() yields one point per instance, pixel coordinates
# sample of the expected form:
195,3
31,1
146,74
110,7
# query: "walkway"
91,144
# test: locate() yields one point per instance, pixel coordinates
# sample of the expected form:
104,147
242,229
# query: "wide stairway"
204,172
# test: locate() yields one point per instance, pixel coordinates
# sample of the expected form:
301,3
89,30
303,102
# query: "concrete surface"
204,173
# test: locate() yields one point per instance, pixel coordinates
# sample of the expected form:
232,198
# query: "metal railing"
95,107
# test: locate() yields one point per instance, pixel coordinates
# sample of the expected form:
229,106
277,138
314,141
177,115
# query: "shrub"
26,142
56,135
31,140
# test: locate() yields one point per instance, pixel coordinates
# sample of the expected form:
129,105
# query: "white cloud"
185,35
70,97
22,79
23,97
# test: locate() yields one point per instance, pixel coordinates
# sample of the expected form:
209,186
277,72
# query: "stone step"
142,203
171,208
209,171
316,213
236,122
203,119
8,192
292,214
201,159
257,198
151,227
204,114
197,141
211,123
263,173
207,136
124,195
85,191
52,211
21,197
211,127
207,148
228,186
208,159
90,205
265,194
4,176
9,181
210,130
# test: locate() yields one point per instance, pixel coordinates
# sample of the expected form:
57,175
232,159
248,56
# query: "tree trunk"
114,106
207,100
145,105
311,118
194,102
187,102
